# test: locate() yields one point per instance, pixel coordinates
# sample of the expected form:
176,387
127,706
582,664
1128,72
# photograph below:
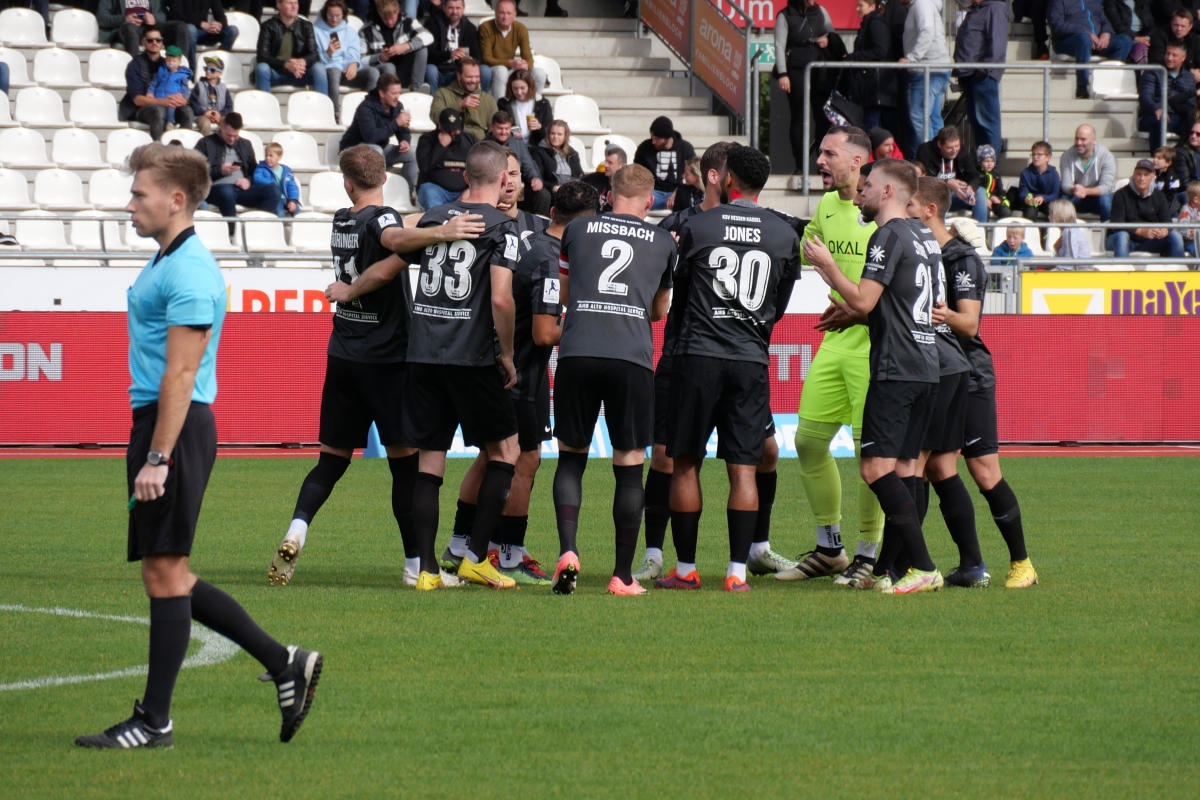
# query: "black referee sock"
766,483
685,530
959,513
897,503
742,525
493,494
426,488
658,507
1006,511
568,495
170,631
629,500
404,473
217,611
318,485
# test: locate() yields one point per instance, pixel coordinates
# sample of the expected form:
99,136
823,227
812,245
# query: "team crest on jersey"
387,220
511,246
964,281
877,255
550,293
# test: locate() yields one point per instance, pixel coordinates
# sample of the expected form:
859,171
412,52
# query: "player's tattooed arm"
374,277
410,237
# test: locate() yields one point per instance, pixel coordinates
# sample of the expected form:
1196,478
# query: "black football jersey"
951,358
535,291
903,341
374,327
967,280
452,308
615,264
737,265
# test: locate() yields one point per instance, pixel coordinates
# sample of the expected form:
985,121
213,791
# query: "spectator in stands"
883,145
396,43
287,51
337,45
1013,247
557,161
442,159
1035,12
983,37
1137,202
531,114
504,43
1179,30
1088,172
270,172
124,21
204,22
1190,213
925,42
465,96
665,153
211,99
379,119
3,77
803,32
691,188
537,197
1177,90
454,37
173,80
944,158
878,90
139,103
1132,18
1039,183
1187,156
231,164
1080,28
990,184
1074,242
1166,179
615,157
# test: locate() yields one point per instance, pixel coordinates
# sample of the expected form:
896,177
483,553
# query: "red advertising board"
671,20
63,376
719,55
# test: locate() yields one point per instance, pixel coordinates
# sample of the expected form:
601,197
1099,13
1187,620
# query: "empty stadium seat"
22,26
87,231
38,230
554,85
310,232
326,192
354,22
90,107
262,232
6,120
23,147
185,136
18,69
256,144
247,38
417,104
108,189
600,143
40,107
14,191
350,104
1114,83
311,111
106,68
75,27
76,148
300,151
581,113
213,232
397,194
53,66
121,143
59,190
259,110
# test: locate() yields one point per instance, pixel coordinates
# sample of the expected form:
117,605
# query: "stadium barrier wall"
1080,378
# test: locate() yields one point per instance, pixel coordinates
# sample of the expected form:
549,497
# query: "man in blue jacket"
1080,28
982,37
379,118
1177,89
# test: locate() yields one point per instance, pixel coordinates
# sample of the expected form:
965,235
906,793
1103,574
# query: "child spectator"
173,78
1013,247
990,182
691,189
211,100
1191,213
270,172
1166,179
1074,242
1040,183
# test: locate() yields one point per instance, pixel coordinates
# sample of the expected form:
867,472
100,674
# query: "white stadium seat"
310,232
22,26
39,107
350,104
259,110
75,27
185,136
59,190
396,193
1114,83
262,232
108,189
581,113
311,111
14,191
214,232
18,68
6,120
326,192
333,146
106,68
601,142
37,230
300,151
247,38
554,84
90,107
53,66
417,104
23,147
88,232
232,77
121,143
76,148
256,144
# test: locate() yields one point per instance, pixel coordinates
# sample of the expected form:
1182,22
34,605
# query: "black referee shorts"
949,417
168,524
734,397
581,384
355,395
895,418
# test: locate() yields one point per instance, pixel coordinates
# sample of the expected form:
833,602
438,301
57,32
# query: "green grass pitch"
1085,684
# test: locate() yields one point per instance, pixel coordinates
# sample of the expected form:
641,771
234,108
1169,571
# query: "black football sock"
959,513
217,611
568,496
318,485
897,503
685,530
658,507
426,488
766,483
404,473
742,525
493,494
170,631
464,519
1006,511
512,530
629,500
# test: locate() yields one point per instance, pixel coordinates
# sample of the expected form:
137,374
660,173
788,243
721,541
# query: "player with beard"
896,293
835,387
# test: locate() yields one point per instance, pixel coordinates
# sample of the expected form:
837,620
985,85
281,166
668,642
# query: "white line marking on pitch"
213,650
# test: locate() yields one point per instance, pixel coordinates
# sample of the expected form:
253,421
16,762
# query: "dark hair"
748,166
485,162
386,81
332,3
574,199
856,137
948,134
714,157
363,165
519,75
465,61
502,118
234,120
934,190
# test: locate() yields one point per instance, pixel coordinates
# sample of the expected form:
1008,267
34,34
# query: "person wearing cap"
379,119
883,145
139,103
983,37
199,22
211,99
173,80
287,51
124,21
665,154
1148,211
991,186
442,160
1177,89
1088,172
473,104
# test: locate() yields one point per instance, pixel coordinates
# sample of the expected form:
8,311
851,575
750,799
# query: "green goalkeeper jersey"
838,224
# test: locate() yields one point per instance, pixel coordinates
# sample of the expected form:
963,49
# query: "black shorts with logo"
581,384
895,418
533,416
734,397
442,397
980,436
356,394
949,418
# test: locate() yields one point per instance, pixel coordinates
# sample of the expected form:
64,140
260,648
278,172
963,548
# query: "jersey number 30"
743,278
455,258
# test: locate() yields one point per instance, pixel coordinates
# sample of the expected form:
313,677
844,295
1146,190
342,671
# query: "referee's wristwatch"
156,459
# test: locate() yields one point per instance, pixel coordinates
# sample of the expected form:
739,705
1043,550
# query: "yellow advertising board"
1171,294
